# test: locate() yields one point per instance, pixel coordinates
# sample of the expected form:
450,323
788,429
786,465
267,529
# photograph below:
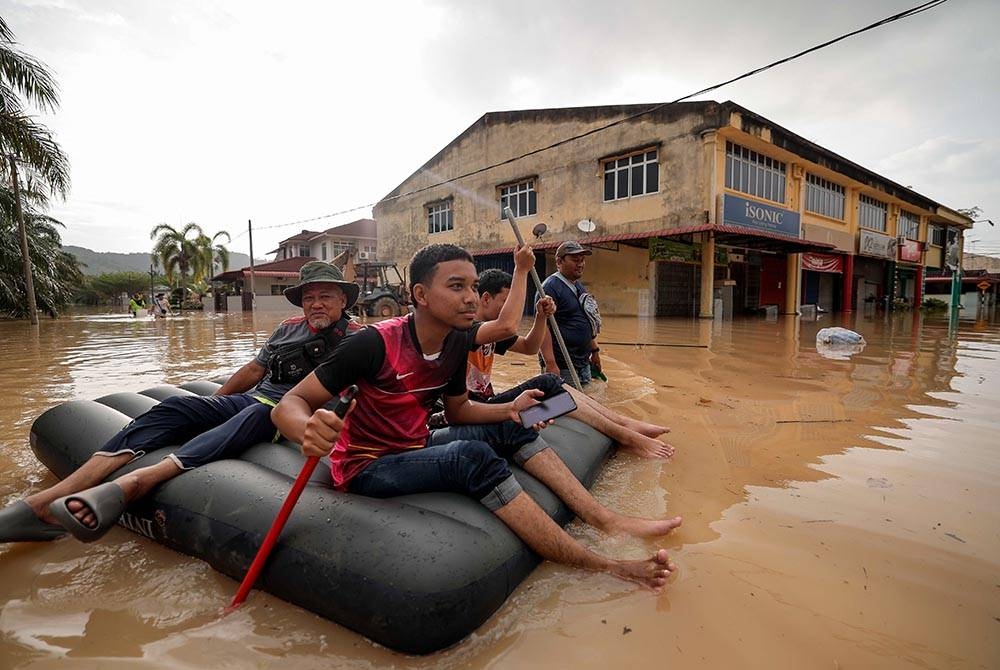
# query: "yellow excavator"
383,287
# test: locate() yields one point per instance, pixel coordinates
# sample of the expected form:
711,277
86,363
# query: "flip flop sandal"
106,502
18,523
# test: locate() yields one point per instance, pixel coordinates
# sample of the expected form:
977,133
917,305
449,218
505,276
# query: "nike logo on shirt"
399,376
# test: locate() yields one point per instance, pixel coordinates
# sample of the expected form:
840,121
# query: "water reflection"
789,465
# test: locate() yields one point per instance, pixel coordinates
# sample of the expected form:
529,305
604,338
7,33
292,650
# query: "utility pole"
250,232
29,284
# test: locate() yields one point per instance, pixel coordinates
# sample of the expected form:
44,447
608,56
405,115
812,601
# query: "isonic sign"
748,213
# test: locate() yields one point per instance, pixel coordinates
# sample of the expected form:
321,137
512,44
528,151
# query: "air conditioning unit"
364,255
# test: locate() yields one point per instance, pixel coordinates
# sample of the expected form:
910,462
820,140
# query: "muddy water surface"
838,513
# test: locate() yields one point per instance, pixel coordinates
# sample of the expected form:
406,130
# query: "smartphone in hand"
550,408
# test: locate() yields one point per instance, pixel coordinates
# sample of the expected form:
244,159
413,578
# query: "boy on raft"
383,447
497,292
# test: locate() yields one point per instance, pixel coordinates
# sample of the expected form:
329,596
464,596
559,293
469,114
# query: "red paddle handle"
286,510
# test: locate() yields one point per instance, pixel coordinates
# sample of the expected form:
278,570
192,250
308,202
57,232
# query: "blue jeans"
471,460
210,428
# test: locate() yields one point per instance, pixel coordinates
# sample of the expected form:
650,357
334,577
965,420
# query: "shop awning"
725,234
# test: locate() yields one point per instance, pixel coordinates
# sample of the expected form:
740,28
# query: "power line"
931,4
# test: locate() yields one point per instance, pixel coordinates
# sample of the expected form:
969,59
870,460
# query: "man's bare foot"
83,514
39,504
645,428
651,573
645,447
619,524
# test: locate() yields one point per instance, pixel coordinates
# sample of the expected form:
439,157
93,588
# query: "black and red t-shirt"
398,385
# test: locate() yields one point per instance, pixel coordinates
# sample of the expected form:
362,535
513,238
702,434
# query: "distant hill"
100,262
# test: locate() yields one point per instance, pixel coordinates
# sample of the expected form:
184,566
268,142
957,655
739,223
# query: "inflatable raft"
414,573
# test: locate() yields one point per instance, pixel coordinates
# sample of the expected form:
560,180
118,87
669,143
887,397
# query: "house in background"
268,282
688,208
330,243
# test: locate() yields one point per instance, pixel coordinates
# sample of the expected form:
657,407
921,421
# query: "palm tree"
56,274
26,145
217,253
177,250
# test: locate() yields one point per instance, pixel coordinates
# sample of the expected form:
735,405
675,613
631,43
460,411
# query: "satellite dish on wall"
586,226
539,230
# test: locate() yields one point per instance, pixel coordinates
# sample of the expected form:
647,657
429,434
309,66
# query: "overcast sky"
222,111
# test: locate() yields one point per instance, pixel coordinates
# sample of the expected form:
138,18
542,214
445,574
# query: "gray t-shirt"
295,330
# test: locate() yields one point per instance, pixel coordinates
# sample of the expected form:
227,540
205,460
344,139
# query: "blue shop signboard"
738,211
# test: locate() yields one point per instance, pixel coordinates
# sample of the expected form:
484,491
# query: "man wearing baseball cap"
208,428
576,315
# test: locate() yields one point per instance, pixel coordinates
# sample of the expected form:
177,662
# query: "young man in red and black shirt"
383,447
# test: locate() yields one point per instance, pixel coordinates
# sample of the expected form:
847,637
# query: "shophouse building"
689,208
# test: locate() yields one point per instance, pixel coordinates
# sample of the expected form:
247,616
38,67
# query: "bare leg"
523,516
91,473
548,468
642,427
134,485
614,426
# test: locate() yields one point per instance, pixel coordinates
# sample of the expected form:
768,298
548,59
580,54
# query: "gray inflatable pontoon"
414,573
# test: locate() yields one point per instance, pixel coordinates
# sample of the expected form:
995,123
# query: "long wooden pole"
509,215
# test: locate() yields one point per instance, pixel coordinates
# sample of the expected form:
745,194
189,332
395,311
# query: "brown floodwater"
838,513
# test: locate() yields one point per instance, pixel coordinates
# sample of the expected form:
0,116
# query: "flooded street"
837,513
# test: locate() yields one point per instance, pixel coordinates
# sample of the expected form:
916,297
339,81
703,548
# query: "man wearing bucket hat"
209,428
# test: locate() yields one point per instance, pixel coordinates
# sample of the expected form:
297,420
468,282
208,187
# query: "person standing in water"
161,308
136,304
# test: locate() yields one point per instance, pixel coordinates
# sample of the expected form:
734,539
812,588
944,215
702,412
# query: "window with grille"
824,197
632,175
439,217
520,197
935,235
909,225
871,213
753,173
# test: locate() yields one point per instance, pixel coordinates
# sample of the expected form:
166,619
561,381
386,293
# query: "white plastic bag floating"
839,343
838,335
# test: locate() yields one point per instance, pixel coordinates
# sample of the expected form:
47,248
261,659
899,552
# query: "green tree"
109,286
215,252
29,152
179,251
56,274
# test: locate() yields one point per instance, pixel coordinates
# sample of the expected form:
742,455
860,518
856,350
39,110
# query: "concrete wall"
264,303
569,182
620,280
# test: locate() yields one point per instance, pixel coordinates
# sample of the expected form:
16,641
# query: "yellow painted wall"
619,280
569,181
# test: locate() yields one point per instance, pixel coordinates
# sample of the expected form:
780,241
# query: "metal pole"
509,215
250,230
